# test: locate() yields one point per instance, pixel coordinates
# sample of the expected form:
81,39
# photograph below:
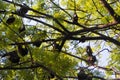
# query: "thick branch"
26,43
103,37
109,39
28,8
31,67
108,7
61,25
110,10
108,25
92,77
46,24
41,14
97,28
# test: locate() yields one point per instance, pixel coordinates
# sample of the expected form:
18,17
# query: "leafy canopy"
59,39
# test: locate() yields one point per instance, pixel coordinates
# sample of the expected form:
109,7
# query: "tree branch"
102,37
39,20
32,67
110,10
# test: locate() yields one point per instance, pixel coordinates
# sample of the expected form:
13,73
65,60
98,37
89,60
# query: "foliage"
62,38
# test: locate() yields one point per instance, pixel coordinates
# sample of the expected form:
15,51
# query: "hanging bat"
10,20
89,51
75,18
22,51
13,56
